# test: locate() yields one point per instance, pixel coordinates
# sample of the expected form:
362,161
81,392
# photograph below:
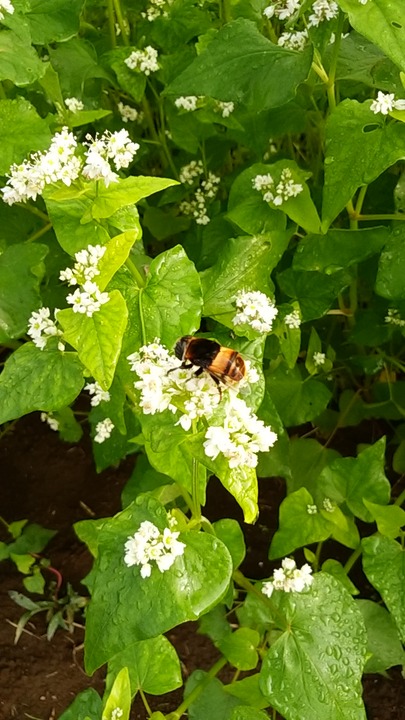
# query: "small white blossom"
322,10
41,327
312,509
87,300
144,61
189,172
5,7
289,578
116,146
117,713
104,429
197,206
149,545
293,320
328,505
129,113
254,308
282,9
74,104
385,103
226,108
50,420
393,317
277,194
188,102
98,394
85,267
293,40
319,358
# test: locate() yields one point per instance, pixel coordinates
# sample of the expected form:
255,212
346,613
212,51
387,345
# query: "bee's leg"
218,384
199,372
184,364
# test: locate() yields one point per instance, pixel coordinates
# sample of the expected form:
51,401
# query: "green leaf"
119,697
338,249
248,691
313,670
297,400
383,643
18,60
35,583
69,428
352,480
21,272
169,306
117,251
230,533
297,526
150,606
23,562
98,338
244,263
243,66
15,528
76,63
381,22
307,459
35,379
22,131
389,282
66,215
336,569
316,292
153,665
360,145
32,540
384,565
144,478
119,444
389,518
53,20
87,705
246,713
240,648
247,209
214,702
126,192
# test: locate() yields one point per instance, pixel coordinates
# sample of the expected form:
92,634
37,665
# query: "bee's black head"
181,347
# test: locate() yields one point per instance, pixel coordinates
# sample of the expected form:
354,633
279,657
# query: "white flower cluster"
197,206
188,173
129,113
5,7
277,194
50,420
319,359
143,61
117,713
148,544
98,394
385,103
293,40
322,10
254,308
328,505
74,104
241,437
393,317
117,147
187,102
293,320
312,509
28,180
164,385
225,108
87,299
104,429
282,9
41,327
85,267
289,578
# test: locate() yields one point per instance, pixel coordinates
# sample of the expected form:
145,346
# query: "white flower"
74,104
289,578
319,358
328,505
293,40
293,320
99,395
277,194
283,9
41,327
129,113
226,108
104,429
393,317
385,103
312,509
85,267
50,420
5,6
188,102
254,308
144,61
117,713
87,300
189,172
149,545
322,10
197,207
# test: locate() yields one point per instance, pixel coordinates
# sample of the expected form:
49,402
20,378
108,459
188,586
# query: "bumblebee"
223,364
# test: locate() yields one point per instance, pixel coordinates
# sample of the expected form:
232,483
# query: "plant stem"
196,692
318,555
111,23
388,216
140,281
195,482
360,199
40,232
244,583
121,21
333,63
145,702
352,559
34,211
400,499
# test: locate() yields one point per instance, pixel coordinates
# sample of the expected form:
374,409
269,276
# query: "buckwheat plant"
177,169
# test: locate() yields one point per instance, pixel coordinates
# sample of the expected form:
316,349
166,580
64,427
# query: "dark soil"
55,484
